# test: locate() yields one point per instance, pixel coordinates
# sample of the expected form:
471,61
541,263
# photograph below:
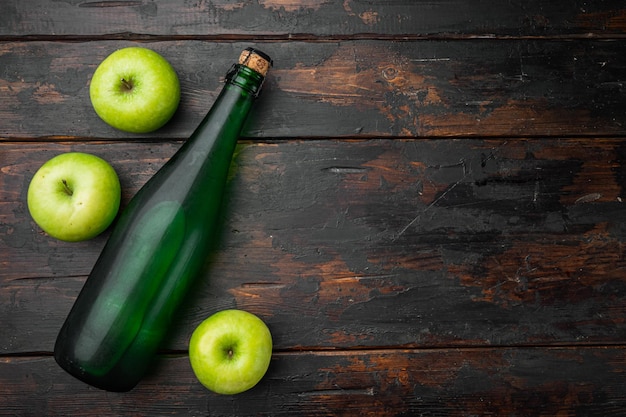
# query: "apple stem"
67,188
127,84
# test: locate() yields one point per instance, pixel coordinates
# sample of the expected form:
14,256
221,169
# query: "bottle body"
156,250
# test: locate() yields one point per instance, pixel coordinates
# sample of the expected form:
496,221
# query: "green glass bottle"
157,247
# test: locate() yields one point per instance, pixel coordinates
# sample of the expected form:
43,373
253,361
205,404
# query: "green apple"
74,196
135,90
230,351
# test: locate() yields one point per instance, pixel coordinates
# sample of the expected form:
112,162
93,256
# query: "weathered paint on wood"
426,208
310,18
584,381
370,243
353,88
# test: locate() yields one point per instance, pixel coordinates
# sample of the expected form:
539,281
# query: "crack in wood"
345,170
111,4
339,391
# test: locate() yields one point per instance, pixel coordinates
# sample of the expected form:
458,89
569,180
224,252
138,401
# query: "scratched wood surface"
358,88
326,19
426,208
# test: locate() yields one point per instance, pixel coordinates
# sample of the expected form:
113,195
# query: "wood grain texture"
311,18
354,88
369,243
452,382
426,207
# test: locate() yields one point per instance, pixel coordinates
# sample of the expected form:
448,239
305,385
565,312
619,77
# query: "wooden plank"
310,18
367,243
353,88
453,382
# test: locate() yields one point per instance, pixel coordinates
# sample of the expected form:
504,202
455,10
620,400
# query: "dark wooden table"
427,206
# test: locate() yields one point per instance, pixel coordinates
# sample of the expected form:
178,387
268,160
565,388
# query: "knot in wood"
390,73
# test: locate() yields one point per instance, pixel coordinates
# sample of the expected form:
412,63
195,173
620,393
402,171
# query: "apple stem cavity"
67,188
126,85
229,352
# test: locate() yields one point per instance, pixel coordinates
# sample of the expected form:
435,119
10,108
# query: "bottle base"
106,383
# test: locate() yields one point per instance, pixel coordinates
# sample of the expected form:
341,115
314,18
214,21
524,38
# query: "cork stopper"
255,60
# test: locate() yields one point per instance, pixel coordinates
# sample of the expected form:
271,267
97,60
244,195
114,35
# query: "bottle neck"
246,78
